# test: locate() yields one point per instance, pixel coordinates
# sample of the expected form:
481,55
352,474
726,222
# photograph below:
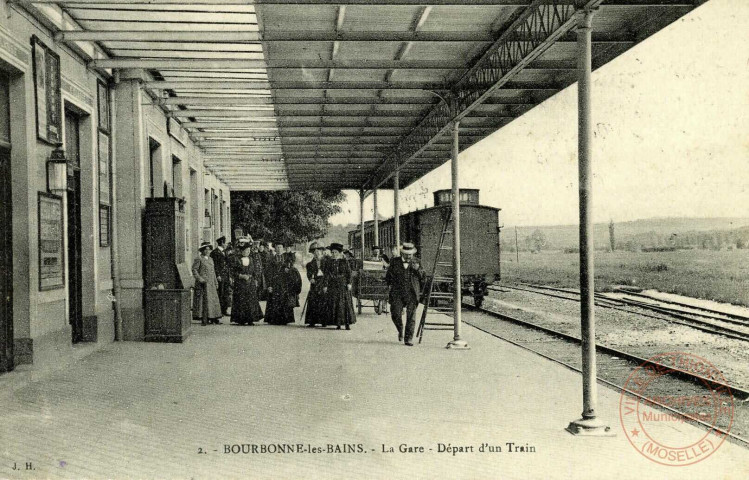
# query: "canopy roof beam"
245,100
245,36
306,63
224,84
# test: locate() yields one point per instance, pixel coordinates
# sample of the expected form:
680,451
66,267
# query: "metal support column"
361,222
376,221
397,210
457,342
589,424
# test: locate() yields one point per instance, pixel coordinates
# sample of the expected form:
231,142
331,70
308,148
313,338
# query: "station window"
176,177
154,164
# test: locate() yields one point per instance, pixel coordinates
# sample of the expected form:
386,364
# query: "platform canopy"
331,94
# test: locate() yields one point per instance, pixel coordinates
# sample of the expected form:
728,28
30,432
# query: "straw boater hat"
315,246
205,245
337,247
408,248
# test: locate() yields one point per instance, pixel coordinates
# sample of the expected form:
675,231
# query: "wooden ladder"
442,273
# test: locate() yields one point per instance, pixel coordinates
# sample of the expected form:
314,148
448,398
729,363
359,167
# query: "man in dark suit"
221,264
406,278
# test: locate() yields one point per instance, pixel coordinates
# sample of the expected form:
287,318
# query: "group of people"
241,279
329,300
238,279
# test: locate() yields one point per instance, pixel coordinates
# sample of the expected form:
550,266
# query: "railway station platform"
240,402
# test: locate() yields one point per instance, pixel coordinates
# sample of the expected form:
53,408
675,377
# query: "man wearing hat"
272,268
207,306
221,264
258,249
406,279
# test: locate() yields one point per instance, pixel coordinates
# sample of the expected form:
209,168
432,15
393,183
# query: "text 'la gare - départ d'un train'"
344,448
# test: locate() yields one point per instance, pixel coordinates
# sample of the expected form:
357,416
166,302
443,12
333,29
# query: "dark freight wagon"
479,238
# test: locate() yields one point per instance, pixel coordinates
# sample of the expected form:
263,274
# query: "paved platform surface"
145,410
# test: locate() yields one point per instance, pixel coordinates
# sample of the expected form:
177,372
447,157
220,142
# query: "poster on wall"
51,259
47,92
103,168
102,95
207,234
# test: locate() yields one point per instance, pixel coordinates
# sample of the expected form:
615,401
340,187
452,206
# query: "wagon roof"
462,206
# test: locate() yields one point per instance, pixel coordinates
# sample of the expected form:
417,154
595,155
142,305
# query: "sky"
671,137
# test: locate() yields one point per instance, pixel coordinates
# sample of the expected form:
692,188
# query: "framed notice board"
51,253
47,92
102,96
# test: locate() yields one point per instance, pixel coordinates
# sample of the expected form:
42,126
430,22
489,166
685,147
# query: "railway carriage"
479,238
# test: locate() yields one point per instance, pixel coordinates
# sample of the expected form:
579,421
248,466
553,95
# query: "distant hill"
644,233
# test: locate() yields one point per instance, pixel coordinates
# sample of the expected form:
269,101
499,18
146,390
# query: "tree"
292,216
612,238
537,241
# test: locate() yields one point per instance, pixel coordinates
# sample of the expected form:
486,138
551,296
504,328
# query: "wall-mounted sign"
177,132
102,94
47,92
207,234
51,257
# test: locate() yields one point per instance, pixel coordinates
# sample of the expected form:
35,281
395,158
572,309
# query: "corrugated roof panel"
459,18
374,18
302,18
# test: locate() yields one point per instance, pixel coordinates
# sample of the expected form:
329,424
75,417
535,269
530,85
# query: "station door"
6,264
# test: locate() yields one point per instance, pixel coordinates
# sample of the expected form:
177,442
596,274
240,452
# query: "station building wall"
39,315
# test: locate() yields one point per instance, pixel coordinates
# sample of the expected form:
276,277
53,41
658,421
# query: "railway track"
707,311
706,323
614,366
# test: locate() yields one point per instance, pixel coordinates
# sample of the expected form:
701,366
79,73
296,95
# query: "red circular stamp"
646,424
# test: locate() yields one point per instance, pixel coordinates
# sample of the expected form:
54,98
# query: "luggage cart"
371,289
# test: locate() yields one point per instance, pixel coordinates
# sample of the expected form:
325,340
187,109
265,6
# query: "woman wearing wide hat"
206,306
284,291
316,312
245,271
338,288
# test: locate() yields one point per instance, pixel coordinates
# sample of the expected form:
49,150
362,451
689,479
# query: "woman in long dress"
284,292
316,312
338,288
206,306
245,272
